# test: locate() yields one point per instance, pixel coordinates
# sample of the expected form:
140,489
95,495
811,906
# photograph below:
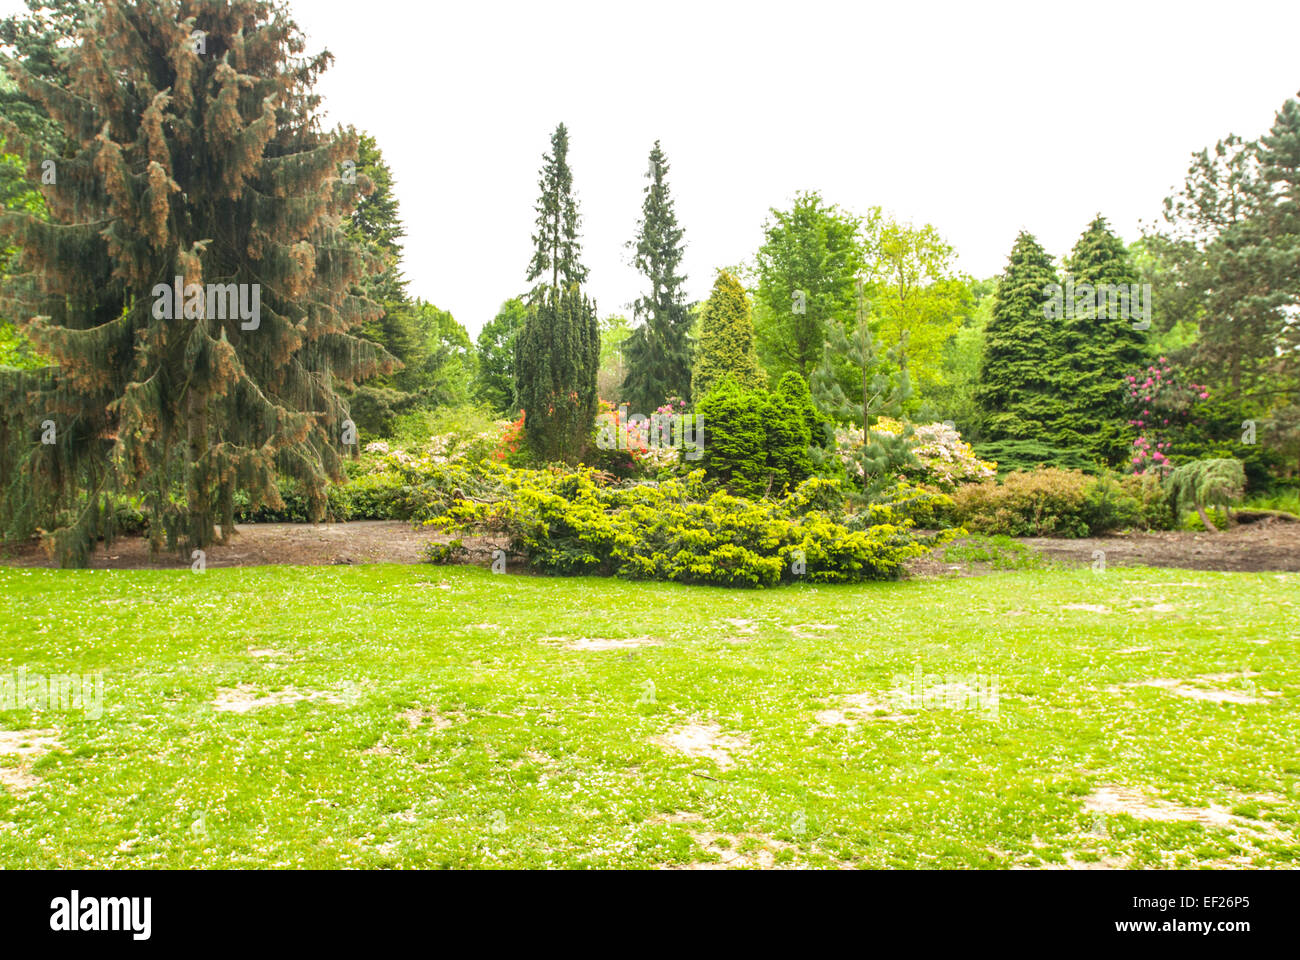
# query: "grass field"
412,716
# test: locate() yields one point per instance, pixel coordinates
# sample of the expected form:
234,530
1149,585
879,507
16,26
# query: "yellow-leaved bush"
573,522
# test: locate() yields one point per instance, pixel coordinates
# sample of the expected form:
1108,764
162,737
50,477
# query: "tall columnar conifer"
195,153
557,353
1099,343
658,353
727,339
1016,389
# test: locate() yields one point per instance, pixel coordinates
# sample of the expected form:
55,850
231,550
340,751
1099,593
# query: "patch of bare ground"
424,716
1113,800
1236,688
750,851
705,741
1269,545
272,544
858,708
245,697
596,644
813,631
27,746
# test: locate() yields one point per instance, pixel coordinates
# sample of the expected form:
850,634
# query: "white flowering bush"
945,459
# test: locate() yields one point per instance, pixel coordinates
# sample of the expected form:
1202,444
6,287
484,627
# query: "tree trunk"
1200,512
198,490
227,501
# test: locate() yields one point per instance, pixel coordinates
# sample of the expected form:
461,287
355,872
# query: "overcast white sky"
981,118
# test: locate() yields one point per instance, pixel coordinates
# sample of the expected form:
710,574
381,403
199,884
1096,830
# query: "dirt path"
1269,545
263,544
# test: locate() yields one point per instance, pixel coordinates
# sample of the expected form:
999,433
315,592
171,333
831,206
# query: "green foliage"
735,446
494,382
879,458
807,269
1096,347
1013,455
1231,251
789,417
916,294
1019,397
443,553
557,250
658,352
727,339
1206,483
568,523
150,402
951,397
557,353
1049,502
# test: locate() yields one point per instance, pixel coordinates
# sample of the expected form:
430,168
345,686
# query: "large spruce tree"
1016,389
727,339
1098,345
557,353
194,153
658,353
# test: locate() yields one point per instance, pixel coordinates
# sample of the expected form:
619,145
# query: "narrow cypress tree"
727,339
557,353
658,352
1016,388
194,153
1098,345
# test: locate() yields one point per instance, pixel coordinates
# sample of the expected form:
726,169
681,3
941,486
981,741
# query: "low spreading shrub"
1050,502
571,522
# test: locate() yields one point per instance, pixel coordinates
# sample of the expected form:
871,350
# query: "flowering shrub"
1164,407
511,440
944,459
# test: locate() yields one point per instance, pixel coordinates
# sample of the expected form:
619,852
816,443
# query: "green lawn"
446,723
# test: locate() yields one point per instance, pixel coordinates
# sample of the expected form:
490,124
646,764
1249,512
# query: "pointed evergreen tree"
1098,346
879,393
557,353
727,339
377,223
1016,389
658,353
195,153
557,252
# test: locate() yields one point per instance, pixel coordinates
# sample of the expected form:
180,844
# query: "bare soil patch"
1212,687
1114,800
1270,545
596,644
28,746
418,716
1263,546
271,544
246,697
857,708
706,741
